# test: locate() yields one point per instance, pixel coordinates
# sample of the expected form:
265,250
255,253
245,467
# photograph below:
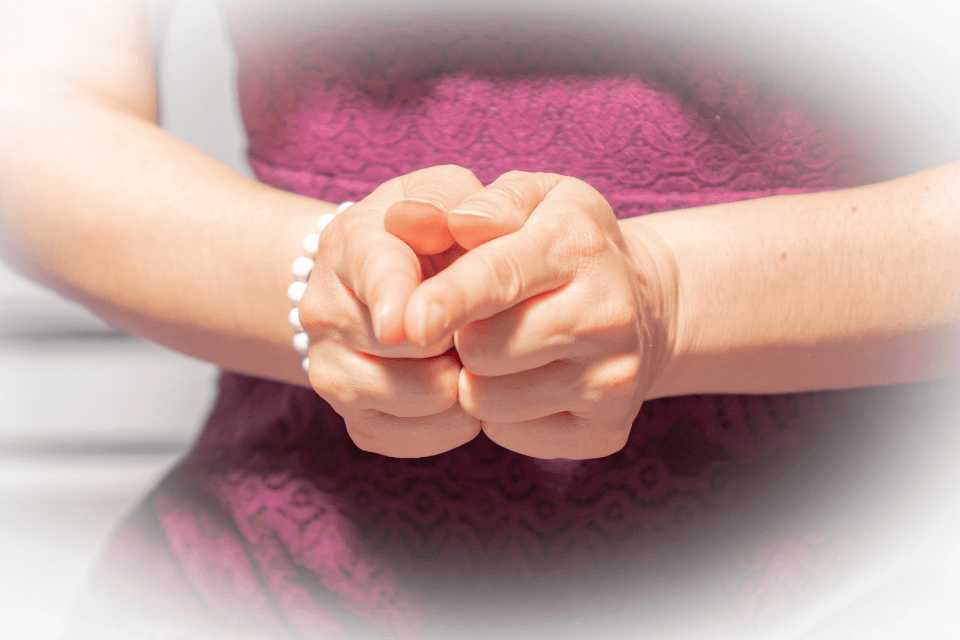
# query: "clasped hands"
560,320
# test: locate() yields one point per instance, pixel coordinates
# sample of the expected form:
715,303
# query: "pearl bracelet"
302,267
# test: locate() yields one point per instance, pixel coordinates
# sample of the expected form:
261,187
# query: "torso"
336,103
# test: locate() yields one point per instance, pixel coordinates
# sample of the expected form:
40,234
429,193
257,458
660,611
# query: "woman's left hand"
562,326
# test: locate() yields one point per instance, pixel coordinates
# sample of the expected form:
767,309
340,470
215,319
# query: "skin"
782,294
841,289
544,378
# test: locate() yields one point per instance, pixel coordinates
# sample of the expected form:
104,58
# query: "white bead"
325,220
302,267
294,318
295,291
311,245
301,342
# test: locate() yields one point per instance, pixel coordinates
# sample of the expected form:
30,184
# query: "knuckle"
360,430
457,172
578,241
580,187
624,373
514,175
331,239
317,307
333,388
323,326
437,401
616,377
501,197
588,197
617,316
615,442
591,241
432,390
535,184
476,402
476,352
506,271
601,438
473,408
444,171
398,437
366,434
442,185
311,308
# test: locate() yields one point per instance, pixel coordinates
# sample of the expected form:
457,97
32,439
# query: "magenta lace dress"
722,515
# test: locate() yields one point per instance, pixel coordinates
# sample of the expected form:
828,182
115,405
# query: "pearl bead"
301,342
311,245
295,291
294,318
302,267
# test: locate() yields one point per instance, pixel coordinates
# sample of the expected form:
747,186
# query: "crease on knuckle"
591,242
501,198
365,435
505,270
441,194
616,377
431,393
333,387
575,242
616,319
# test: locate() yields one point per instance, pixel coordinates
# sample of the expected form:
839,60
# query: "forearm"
858,287
152,235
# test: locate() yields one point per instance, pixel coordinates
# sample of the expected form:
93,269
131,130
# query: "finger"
379,269
562,435
601,391
419,218
332,305
330,311
500,209
605,406
521,396
543,255
412,437
552,326
403,388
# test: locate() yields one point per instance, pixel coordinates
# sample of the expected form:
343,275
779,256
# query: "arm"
850,288
99,203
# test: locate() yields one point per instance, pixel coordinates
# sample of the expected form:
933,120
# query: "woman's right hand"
397,398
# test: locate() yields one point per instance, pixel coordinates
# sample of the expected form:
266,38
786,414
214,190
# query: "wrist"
300,270
660,287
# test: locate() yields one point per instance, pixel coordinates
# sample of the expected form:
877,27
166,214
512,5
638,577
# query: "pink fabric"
277,526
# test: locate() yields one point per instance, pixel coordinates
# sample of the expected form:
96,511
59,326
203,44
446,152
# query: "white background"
90,418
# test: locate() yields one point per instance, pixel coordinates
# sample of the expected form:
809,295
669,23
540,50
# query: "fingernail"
430,203
435,322
471,213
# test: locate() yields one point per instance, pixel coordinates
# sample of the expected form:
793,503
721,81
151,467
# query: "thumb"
419,217
498,210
